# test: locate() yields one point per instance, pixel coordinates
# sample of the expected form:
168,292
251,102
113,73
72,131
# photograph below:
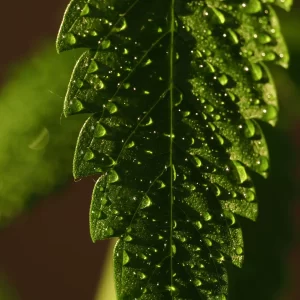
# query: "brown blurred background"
43,255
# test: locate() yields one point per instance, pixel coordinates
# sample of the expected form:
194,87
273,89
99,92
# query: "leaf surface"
175,89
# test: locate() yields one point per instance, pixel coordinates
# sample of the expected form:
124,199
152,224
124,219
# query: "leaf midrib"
172,29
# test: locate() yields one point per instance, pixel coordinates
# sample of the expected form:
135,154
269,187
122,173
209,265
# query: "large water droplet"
219,15
223,79
208,242
207,216
229,217
262,164
252,7
249,195
264,38
70,39
269,113
239,250
89,154
111,107
126,258
128,238
98,84
256,72
241,174
100,131
105,44
198,224
146,202
93,67
76,106
85,11
109,231
112,176
249,130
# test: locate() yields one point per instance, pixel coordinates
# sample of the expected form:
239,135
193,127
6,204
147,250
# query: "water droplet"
79,83
197,161
89,155
269,56
147,63
219,15
208,108
198,224
264,38
111,107
142,275
121,25
197,282
85,11
100,131
233,36
249,129
112,176
223,79
130,144
147,122
208,242
128,238
239,250
262,164
105,44
252,7
146,202
97,83
109,231
269,113
229,217
249,195
173,249
126,258
206,216
220,139
216,190
70,38
256,72
76,106
241,174
93,67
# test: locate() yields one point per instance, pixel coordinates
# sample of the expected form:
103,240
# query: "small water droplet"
142,275
233,36
197,282
207,216
111,107
173,247
209,108
208,242
130,144
100,131
198,224
197,161
264,38
128,238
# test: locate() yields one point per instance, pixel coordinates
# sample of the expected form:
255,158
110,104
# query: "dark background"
47,253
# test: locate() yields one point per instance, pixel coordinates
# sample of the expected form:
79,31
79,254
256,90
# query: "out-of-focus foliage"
36,145
6,291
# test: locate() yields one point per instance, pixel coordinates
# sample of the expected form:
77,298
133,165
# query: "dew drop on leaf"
126,258
89,155
100,131
70,39
249,129
269,113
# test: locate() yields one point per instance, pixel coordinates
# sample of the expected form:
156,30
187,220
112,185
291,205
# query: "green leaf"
175,89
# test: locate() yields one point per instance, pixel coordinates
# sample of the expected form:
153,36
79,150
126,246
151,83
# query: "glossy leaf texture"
175,89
